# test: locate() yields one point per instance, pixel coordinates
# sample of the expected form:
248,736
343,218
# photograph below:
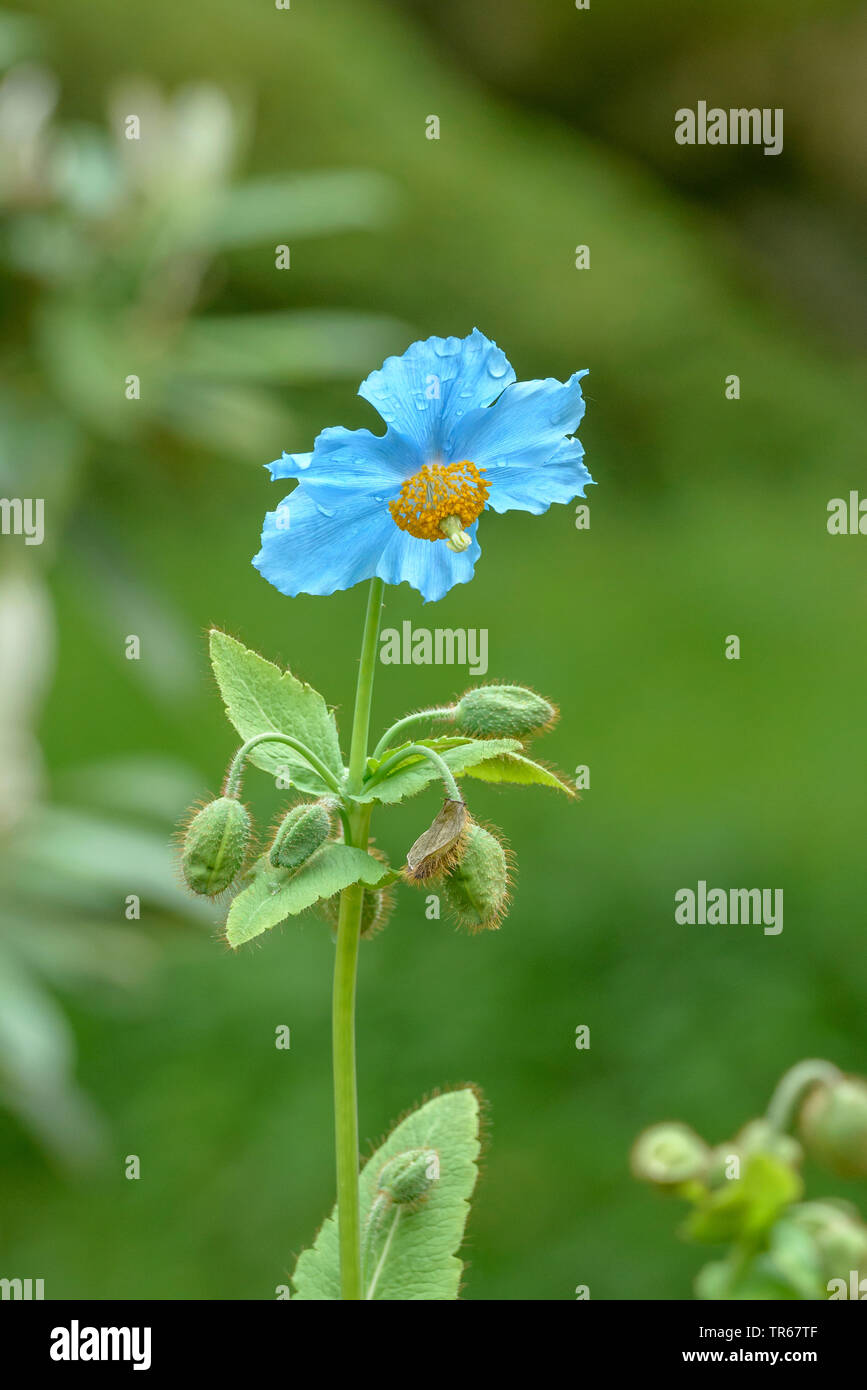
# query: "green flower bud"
669,1154
409,1176
376,907
833,1125
302,831
504,711
839,1235
440,846
759,1136
477,888
215,846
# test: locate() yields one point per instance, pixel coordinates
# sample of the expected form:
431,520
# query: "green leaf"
409,1249
417,772
312,204
260,698
515,768
296,345
276,894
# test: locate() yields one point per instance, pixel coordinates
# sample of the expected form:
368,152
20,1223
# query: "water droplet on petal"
498,367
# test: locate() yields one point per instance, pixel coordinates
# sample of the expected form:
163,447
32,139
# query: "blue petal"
429,566
520,433
515,487
426,393
312,549
353,459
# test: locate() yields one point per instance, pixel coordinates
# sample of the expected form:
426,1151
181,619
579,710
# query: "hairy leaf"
417,772
260,698
516,768
276,894
409,1249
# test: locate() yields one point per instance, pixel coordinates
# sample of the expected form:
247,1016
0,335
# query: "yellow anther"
450,493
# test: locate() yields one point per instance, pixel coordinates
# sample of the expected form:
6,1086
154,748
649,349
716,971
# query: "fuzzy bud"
302,831
215,846
504,711
839,1235
759,1136
669,1154
477,888
377,905
409,1176
833,1125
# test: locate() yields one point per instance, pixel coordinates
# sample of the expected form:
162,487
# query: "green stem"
791,1088
422,716
345,973
416,750
236,766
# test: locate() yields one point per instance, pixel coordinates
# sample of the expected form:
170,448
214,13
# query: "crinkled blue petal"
429,566
523,429
353,459
514,487
310,548
425,394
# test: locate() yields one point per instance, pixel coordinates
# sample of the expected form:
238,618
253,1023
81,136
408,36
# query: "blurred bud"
504,711
439,848
833,1125
838,1233
215,846
477,888
759,1136
301,832
669,1154
409,1176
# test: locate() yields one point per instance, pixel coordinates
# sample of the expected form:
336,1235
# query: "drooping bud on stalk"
477,888
439,848
833,1125
761,1137
504,711
408,1177
302,831
215,846
669,1154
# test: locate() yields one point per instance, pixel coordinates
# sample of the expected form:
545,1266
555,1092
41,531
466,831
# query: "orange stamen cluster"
436,492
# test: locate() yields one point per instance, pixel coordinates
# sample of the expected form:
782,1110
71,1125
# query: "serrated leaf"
276,894
417,772
412,1253
518,769
260,698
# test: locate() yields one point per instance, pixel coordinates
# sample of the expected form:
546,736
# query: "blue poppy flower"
462,436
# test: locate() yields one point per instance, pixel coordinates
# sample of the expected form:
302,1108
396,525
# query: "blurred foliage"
746,1193
709,518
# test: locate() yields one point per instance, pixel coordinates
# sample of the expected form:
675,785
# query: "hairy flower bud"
760,1136
302,831
669,1154
839,1235
504,711
440,846
376,907
477,888
409,1176
215,846
833,1125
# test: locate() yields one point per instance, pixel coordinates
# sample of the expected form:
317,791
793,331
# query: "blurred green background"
306,127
